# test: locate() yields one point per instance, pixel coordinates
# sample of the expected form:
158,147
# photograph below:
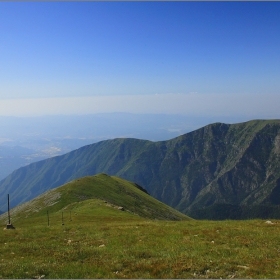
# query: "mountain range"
219,171
24,140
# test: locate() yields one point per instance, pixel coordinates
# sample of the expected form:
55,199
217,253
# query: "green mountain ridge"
224,164
117,193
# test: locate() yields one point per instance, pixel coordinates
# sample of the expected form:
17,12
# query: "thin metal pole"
48,218
9,217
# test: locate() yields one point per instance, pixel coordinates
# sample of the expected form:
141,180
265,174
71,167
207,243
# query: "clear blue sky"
191,52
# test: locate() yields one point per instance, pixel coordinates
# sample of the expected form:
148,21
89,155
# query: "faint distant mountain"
21,130
230,166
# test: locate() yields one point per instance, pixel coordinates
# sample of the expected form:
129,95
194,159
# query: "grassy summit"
111,191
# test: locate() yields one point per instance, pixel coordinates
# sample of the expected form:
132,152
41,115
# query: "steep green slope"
30,181
114,192
221,164
250,172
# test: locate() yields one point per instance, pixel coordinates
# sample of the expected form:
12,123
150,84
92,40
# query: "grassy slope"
103,242
113,190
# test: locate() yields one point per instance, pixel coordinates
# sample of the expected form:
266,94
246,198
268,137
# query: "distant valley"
219,171
13,157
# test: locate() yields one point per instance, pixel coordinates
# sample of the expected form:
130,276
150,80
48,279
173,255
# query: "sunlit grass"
102,242
91,238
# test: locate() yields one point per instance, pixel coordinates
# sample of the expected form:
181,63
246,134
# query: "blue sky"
147,57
